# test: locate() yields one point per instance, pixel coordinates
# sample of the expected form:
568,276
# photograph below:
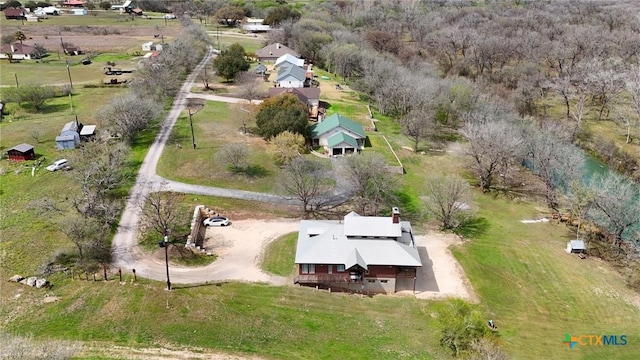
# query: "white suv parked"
59,165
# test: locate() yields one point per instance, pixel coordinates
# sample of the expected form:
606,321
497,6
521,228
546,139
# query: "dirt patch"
441,276
92,38
122,352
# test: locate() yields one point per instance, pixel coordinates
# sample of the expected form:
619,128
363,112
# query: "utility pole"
69,73
165,245
193,139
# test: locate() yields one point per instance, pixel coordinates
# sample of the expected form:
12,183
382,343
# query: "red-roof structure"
73,3
13,13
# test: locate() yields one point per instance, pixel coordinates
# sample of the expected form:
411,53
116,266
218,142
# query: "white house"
49,10
290,59
150,46
291,77
18,51
81,11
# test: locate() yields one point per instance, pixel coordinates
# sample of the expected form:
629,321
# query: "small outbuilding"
21,152
576,246
260,70
69,136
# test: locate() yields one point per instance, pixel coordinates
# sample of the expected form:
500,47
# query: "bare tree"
128,114
448,199
98,179
89,236
250,86
206,75
556,161
234,155
246,114
493,143
618,207
160,213
370,179
606,82
305,179
581,199
418,125
633,87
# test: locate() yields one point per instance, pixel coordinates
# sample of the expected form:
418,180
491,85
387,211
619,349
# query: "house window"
308,268
330,269
371,280
384,281
340,268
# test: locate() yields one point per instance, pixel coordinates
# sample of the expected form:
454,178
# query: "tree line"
100,166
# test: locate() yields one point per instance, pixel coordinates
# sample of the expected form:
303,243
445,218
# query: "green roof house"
338,135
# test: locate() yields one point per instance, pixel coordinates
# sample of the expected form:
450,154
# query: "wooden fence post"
94,276
134,275
86,276
104,270
120,274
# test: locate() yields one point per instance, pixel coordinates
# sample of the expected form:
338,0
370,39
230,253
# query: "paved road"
125,251
226,99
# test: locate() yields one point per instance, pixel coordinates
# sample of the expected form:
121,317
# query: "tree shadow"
255,171
475,227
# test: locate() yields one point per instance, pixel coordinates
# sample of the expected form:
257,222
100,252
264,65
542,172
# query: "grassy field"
30,236
279,255
96,17
54,71
275,322
537,293
214,126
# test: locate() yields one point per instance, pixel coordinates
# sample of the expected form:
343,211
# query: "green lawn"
95,18
30,235
275,322
537,293
214,126
279,256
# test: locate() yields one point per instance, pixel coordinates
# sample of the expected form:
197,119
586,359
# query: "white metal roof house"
338,135
369,254
291,77
288,58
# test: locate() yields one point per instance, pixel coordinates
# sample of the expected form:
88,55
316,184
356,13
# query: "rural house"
21,152
288,59
255,25
17,51
372,254
309,96
15,13
273,51
70,49
338,135
291,77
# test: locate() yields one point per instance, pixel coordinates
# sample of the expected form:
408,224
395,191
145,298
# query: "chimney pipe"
395,215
